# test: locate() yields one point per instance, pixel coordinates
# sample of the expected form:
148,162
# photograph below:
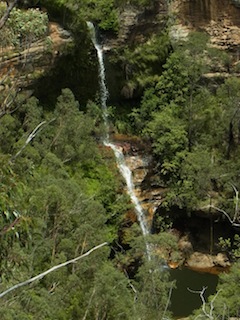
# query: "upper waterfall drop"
102,78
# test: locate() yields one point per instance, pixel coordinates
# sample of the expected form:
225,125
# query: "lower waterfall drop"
123,168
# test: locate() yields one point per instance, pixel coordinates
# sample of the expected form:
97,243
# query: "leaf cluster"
25,26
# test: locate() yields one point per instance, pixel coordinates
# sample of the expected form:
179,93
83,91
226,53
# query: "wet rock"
127,92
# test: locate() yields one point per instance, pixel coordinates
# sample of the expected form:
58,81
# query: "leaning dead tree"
10,6
43,274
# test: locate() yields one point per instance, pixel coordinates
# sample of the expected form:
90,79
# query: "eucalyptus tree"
5,15
62,201
153,290
27,26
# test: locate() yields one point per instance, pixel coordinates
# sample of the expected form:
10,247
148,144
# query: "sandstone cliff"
219,18
24,66
137,24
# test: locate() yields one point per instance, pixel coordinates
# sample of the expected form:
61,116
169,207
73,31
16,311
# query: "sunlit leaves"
27,26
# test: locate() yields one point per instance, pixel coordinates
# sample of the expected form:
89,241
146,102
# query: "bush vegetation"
60,191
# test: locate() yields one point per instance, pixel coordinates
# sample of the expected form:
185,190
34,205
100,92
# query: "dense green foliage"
60,192
59,199
105,13
192,126
23,27
102,12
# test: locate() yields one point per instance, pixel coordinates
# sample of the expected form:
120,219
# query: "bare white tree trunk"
168,301
43,274
89,304
206,314
32,135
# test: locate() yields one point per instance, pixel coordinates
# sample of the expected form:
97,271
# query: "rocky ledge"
138,24
25,65
220,19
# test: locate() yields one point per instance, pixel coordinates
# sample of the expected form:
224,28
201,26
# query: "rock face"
219,18
25,65
192,233
198,13
137,159
137,24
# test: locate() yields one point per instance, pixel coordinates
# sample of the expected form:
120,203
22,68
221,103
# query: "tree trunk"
43,274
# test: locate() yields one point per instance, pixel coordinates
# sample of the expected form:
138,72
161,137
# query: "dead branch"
219,210
8,228
43,274
168,301
32,135
234,221
208,315
8,101
131,286
89,304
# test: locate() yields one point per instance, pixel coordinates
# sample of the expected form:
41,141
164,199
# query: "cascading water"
123,168
102,79
127,175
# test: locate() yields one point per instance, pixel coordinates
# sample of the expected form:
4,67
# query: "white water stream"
127,175
123,168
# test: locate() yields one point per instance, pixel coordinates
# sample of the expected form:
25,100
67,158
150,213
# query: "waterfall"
127,175
123,168
102,78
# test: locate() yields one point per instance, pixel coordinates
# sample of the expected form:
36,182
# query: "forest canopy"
60,191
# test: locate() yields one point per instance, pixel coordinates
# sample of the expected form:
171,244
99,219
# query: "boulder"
221,260
198,260
202,261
